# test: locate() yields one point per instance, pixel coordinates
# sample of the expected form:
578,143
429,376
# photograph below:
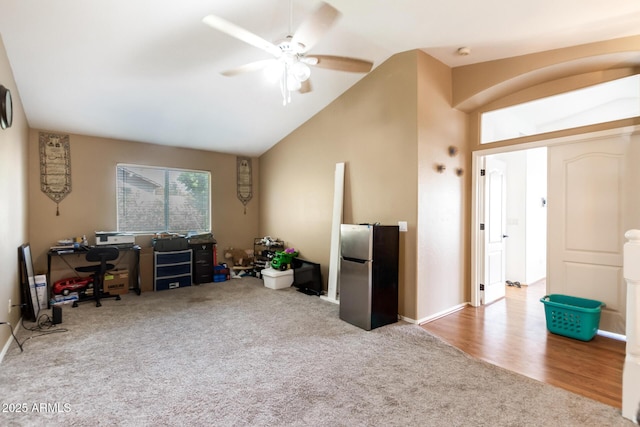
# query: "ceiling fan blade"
305,86
343,63
247,68
240,33
315,26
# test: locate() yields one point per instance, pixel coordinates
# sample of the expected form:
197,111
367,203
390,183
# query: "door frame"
477,156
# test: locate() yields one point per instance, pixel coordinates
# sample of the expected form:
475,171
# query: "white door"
494,230
592,202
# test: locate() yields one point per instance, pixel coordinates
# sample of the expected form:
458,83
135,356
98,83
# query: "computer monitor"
307,276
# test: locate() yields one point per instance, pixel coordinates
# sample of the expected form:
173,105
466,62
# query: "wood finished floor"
511,333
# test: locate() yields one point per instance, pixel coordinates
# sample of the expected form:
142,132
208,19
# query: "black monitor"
31,305
307,276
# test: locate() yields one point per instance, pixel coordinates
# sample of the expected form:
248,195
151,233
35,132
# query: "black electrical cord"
43,323
13,335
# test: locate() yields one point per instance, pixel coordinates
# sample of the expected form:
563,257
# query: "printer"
114,238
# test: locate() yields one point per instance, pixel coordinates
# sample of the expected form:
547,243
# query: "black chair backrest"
102,254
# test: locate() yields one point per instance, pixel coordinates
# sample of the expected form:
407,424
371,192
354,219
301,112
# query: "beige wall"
372,128
91,205
390,129
443,211
13,200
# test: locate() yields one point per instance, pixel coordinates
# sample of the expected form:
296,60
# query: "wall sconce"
453,151
459,171
440,167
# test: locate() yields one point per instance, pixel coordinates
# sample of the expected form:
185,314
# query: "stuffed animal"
239,257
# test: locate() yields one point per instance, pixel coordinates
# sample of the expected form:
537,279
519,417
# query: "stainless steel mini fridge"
369,274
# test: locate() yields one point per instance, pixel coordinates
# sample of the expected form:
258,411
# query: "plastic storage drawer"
172,283
163,258
173,270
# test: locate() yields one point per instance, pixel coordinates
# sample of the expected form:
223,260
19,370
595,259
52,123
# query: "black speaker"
57,315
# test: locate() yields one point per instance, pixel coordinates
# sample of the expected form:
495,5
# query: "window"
152,199
605,102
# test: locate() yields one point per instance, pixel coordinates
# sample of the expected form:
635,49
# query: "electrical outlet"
9,305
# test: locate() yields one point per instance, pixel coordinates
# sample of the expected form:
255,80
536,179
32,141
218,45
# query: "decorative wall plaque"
55,167
245,184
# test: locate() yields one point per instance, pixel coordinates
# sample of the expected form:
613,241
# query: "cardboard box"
41,290
146,270
116,282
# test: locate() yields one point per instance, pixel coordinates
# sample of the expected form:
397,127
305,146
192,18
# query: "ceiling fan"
290,61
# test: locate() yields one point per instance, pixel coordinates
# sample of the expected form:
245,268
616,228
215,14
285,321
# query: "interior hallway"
512,333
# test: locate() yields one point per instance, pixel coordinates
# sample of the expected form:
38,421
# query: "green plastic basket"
572,317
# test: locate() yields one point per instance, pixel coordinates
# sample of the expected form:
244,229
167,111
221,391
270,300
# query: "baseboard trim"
443,313
5,348
434,316
407,319
537,282
327,298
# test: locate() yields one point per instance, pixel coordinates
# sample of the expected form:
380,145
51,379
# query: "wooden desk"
65,262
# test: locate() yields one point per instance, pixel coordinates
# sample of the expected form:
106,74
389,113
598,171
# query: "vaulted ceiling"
150,70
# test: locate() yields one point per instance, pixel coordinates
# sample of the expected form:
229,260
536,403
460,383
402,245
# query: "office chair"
100,254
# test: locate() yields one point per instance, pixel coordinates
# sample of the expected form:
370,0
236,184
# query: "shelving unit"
172,269
262,254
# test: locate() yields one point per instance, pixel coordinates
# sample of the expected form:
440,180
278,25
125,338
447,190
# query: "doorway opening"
515,220
591,204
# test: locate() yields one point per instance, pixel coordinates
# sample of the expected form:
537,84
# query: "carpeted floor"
236,353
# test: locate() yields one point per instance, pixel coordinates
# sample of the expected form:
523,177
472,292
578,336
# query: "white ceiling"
149,70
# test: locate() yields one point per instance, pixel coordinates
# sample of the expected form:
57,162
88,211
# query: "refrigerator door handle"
358,260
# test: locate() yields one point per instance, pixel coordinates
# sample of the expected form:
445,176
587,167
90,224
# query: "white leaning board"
334,254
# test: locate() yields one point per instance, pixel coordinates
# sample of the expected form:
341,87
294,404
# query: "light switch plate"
402,225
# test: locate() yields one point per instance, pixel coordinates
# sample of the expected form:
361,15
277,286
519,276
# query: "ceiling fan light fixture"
301,71
293,84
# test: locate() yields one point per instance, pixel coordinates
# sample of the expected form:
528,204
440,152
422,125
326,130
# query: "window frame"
167,171
488,118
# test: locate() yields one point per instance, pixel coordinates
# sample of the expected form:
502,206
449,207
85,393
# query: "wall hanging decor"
55,167
244,180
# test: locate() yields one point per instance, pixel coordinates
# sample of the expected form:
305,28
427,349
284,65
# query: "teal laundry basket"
572,317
